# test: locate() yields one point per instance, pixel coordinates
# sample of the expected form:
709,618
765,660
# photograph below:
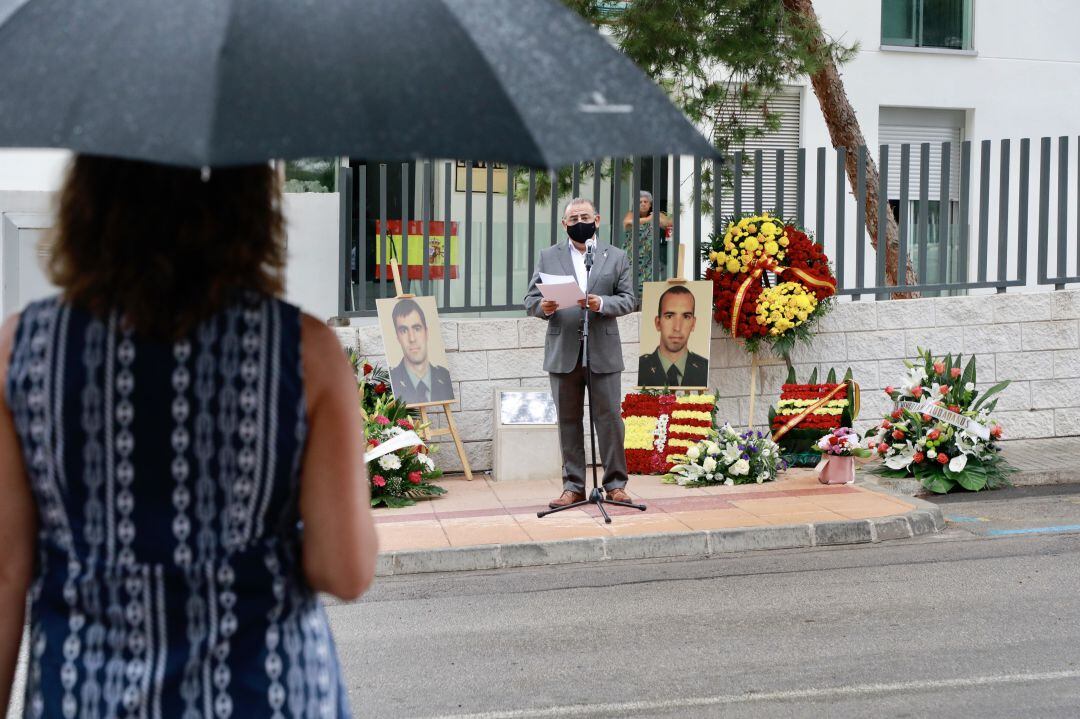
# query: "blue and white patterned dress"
166,478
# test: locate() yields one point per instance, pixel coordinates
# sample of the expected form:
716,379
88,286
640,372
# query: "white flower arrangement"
728,457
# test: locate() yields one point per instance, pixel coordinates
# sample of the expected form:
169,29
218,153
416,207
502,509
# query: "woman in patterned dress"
181,461
645,240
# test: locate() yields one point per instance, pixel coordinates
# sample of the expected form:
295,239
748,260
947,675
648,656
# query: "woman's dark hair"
166,246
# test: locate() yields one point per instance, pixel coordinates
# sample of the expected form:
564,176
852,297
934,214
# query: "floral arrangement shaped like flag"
754,251
401,476
940,430
807,412
661,427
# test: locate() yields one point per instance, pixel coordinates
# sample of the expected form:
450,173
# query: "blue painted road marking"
1036,530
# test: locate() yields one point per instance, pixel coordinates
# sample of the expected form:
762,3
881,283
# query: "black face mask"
582,232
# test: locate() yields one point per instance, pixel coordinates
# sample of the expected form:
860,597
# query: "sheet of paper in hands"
563,289
405,439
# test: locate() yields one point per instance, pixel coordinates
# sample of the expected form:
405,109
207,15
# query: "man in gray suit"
609,294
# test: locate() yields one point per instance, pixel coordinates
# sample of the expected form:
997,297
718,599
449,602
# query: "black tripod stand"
596,496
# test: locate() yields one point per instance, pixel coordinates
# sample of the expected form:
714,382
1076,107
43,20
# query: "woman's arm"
340,545
18,527
628,220
665,220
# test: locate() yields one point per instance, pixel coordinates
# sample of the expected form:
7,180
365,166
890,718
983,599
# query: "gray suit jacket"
609,278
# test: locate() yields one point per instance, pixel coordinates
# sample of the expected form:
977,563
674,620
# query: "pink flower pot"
837,470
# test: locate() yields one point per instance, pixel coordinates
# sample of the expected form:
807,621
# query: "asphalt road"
966,623
982,620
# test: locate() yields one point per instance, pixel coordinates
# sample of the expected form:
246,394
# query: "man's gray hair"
578,201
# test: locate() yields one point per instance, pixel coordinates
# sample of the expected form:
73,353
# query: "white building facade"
926,71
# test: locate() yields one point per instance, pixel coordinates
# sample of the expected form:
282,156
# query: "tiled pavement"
484,512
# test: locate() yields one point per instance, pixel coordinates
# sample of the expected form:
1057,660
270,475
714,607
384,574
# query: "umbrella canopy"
228,82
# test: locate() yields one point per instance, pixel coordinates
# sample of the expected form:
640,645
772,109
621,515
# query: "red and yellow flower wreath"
745,303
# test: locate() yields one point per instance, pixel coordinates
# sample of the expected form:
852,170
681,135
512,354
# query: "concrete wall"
1033,340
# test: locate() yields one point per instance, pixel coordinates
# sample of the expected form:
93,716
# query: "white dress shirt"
578,260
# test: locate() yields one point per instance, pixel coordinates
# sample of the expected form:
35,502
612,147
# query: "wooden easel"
678,279
450,429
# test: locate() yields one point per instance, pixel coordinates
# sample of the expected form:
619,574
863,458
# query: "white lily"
901,459
957,463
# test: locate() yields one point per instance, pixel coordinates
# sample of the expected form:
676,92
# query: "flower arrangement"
646,417
940,430
399,477
745,302
660,427
842,442
807,412
728,457
691,421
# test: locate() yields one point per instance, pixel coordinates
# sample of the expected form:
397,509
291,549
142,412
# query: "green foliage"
721,61
408,476
916,441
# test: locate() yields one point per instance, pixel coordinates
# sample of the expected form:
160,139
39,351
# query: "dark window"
926,23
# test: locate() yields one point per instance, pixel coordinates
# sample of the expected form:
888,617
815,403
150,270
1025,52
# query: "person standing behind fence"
609,294
646,240
181,463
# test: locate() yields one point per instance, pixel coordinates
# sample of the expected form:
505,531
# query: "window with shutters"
941,131
788,105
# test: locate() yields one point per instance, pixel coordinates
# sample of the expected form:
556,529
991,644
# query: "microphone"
589,245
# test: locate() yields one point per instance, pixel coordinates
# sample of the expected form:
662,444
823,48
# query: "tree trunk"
844,131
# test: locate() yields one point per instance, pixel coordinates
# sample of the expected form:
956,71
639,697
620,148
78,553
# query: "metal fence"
966,218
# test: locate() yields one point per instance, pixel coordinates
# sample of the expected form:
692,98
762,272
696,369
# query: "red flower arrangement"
738,263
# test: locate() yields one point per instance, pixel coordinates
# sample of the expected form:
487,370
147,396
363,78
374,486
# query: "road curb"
926,518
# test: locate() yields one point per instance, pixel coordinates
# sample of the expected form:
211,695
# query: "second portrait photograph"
414,349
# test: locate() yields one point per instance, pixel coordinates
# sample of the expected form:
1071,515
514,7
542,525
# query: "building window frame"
913,38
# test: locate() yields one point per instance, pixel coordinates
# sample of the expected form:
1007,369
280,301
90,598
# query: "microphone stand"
596,496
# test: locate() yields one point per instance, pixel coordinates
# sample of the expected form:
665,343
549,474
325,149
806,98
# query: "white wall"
311,276
30,170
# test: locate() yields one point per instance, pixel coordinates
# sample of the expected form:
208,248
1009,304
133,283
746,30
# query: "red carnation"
926,418
918,458
995,431
883,448
414,477
933,434
404,424
917,391
889,390
942,458
897,434
955,372
380,419
380,388
944,389
367,369
897,414
378,480
954,408
886,424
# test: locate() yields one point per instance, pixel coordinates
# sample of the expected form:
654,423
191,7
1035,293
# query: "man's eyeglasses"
574,219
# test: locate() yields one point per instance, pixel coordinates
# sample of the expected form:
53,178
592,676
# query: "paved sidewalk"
485,524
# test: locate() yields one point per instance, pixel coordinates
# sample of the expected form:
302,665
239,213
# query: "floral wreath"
746,304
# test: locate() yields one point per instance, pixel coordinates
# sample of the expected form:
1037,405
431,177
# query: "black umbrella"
226,82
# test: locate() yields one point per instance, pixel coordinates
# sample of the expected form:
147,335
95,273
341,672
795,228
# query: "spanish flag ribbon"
794,421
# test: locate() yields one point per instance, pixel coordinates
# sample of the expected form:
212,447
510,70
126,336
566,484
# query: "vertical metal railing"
959,213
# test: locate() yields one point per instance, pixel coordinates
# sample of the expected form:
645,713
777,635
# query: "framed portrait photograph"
674,337
414,349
